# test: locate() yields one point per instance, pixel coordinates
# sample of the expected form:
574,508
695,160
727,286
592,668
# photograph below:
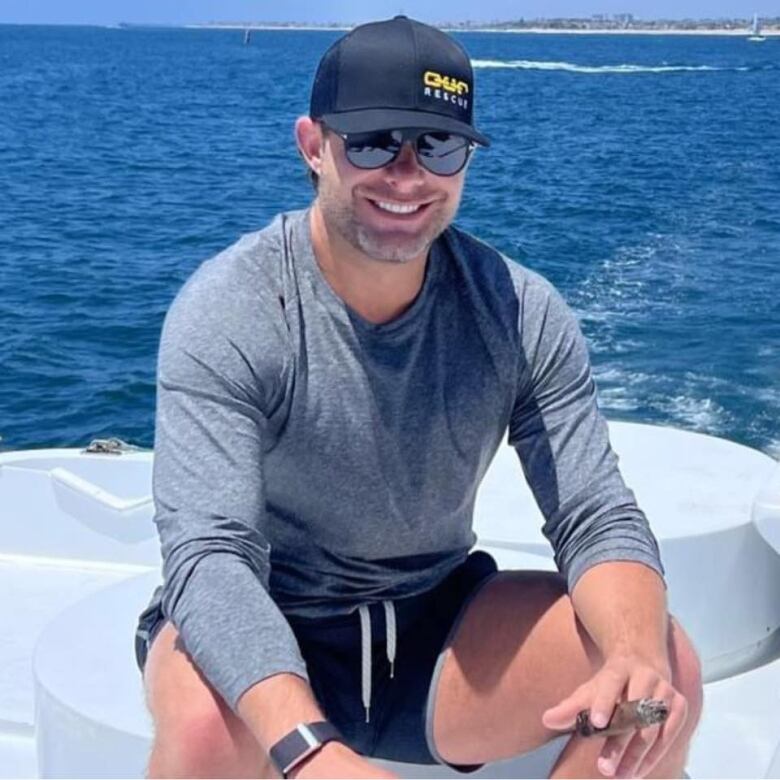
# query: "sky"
189,11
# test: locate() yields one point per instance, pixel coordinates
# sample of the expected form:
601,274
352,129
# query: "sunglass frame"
408,134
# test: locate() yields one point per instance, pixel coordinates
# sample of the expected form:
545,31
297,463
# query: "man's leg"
519,650
195,732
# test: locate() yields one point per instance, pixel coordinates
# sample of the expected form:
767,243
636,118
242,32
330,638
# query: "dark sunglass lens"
443,153
372,150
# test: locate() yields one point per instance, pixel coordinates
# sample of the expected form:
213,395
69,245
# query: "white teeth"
396,208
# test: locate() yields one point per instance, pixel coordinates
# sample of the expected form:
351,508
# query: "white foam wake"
572,68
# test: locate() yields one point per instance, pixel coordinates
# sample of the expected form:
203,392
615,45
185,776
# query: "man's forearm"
275,706
622,605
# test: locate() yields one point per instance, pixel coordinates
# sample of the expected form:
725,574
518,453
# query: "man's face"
358,203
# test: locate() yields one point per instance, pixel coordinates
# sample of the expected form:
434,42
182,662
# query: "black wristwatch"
301,742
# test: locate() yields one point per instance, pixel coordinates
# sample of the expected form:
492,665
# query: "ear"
311,143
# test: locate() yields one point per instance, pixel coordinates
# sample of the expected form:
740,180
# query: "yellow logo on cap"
447,83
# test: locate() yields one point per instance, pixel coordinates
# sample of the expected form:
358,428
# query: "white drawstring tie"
365,642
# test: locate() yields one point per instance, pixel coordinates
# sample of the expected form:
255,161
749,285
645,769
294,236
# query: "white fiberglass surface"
698,492
766,510
739,731
688,484
128,477
32,595
17,756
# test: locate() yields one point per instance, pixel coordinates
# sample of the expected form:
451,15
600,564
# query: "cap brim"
370,119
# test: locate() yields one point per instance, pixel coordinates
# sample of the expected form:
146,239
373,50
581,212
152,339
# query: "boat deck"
79,556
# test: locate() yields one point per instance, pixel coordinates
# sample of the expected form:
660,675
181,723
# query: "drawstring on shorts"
365,642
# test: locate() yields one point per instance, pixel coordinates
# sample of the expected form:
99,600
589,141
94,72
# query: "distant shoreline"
510,31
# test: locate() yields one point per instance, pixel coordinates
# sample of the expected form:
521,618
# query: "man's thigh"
173,684
518,650
190,717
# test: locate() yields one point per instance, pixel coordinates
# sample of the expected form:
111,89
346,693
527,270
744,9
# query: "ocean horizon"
740,32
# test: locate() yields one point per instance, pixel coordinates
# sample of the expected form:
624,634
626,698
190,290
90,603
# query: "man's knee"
196,733
190,745
686,673
205,744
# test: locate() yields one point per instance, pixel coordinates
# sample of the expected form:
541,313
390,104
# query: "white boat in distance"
755,30
79,558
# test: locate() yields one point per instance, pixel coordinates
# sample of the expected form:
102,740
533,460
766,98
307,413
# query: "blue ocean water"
641,175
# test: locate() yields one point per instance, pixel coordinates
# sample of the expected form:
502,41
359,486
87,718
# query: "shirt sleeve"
218,375
562,439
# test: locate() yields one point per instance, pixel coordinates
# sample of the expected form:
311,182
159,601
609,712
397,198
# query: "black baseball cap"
392,75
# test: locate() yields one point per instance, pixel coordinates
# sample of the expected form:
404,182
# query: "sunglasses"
441,153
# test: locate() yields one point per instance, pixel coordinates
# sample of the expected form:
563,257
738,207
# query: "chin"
392,250
399,246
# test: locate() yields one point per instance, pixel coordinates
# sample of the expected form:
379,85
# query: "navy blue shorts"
400,724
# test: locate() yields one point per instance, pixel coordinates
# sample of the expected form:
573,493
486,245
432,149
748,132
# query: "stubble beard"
339,214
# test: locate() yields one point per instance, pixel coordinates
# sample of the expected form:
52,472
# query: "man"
331,391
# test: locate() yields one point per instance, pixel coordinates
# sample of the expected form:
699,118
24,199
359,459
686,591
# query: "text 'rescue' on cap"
396,74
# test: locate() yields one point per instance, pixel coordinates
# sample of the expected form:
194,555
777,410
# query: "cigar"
628,716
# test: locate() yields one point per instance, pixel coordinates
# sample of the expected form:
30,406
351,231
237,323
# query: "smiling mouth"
398,209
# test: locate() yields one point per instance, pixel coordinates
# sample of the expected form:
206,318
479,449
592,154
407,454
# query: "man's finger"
563,715
621,750
609,691
662,738
653,738
613,751
678,713
638,747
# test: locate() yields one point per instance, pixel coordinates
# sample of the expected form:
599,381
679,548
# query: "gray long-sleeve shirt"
308,461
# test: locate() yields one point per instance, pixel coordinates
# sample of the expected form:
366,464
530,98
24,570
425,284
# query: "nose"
406,164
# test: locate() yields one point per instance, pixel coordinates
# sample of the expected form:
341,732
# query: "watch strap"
304,740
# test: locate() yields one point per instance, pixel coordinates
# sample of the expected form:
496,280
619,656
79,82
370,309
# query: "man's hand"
338,761
623,678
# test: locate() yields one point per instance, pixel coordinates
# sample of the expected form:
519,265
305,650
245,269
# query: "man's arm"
216,382
562,441
622,605
219,374
274,707
623,608
602,541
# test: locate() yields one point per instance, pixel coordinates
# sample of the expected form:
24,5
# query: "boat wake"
574,68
